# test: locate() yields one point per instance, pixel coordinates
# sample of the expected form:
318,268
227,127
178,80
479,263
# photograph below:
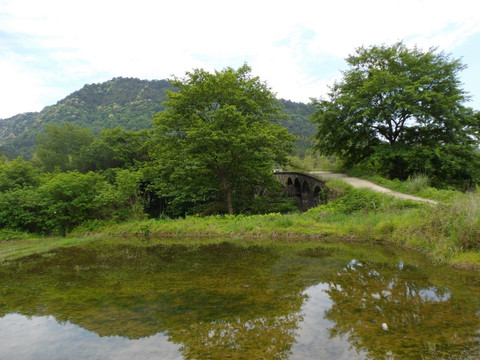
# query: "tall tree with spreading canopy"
218,135
399,111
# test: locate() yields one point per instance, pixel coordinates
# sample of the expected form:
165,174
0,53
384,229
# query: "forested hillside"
124,102
300,125
127,103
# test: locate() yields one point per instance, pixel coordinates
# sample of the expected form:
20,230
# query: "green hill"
125,102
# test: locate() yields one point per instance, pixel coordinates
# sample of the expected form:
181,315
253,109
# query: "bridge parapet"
308,190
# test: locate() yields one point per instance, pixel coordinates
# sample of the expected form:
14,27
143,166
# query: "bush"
20,209
68,199
17,173
62,202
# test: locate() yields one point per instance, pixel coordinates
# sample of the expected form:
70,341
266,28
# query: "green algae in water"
240,302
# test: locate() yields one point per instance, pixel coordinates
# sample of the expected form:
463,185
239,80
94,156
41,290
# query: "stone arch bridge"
308,190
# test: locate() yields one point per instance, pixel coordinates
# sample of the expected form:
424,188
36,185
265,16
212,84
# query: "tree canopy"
218,135
59,146
399,111
114,148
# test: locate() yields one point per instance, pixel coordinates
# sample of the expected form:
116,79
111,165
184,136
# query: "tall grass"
457,225
417,183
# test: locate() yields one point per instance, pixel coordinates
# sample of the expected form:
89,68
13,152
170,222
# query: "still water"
226,301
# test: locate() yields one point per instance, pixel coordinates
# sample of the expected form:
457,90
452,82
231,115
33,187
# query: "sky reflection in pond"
43,338
227,301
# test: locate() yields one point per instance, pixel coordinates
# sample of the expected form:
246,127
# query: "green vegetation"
121,102
449,232
80,204
218,136
125,103
67,147
298,123
312,161
59,147
399,112
61,202
417,185
210,151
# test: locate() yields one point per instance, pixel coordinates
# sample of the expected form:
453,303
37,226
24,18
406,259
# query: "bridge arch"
308,190
297,187
305,187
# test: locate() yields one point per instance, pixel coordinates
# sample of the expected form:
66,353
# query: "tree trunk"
228,198
227,192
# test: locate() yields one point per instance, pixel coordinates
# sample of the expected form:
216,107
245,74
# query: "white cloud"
292,46
19,90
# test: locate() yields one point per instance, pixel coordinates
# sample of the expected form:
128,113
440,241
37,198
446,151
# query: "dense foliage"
399,111
298,123
59,147
80,173
54,202
212,147
218,135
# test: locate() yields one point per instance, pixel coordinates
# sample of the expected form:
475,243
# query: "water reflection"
43,338
226,301
212,301
423,320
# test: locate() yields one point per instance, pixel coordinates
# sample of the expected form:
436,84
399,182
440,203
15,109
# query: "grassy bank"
448,233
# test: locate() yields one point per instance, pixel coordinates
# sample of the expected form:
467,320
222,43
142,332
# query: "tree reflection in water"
219,301
248,302
424,321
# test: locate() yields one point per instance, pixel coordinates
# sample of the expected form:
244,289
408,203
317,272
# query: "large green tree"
218,135
60,145
400,111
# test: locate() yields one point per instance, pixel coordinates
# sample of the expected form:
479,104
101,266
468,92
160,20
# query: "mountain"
125,102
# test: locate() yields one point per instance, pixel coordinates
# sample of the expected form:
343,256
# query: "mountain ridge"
129,103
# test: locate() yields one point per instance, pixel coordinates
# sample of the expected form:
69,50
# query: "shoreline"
16,249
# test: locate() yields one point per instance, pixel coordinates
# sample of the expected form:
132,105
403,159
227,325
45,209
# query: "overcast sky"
50,48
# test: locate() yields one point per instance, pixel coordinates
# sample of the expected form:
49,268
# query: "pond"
229,301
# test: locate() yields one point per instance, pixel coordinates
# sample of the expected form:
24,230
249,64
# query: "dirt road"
361,183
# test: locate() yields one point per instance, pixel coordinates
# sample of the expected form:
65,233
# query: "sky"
51,48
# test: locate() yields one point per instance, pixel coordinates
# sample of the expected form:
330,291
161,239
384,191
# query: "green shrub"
63,201
68,199
20,209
